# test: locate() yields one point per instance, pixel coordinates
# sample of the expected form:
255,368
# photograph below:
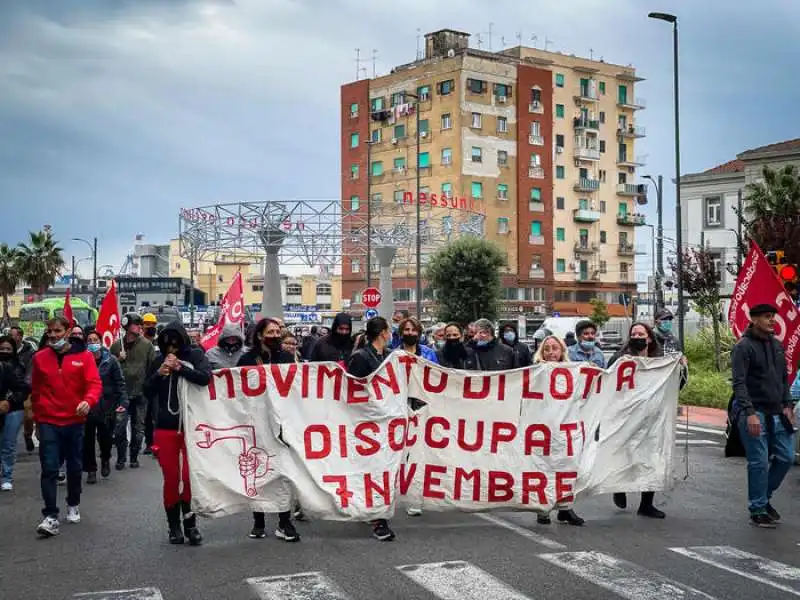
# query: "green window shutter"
424,160
561,234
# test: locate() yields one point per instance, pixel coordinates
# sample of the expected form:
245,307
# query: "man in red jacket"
65,385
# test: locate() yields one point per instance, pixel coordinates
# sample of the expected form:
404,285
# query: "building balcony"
626,250
587,153
623,160
587,277
536,107
587,125
585,215
535,206
536,240
584,247
584,184
536,172
632,103
536,140
631,220
536,272
631,131
631,189
586,95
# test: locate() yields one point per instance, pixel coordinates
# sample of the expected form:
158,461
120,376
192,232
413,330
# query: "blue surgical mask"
394,328
587,344
665,326
440,344
93,348
509,336
59,344
482,343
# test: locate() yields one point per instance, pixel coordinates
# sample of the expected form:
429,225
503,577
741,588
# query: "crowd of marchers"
76,396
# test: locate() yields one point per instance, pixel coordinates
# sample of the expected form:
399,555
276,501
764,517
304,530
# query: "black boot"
621,500
190,526
646,508
571,517
174,522
105,468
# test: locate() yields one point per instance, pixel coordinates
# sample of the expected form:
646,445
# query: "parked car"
610,341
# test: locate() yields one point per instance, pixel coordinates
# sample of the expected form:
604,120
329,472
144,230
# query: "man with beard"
337,346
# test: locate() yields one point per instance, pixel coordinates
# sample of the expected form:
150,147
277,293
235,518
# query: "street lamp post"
655,298
678,221
659,256
418,215
93,248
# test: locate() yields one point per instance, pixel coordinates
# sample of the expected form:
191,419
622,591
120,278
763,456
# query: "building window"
400,163
536,229
536,96
560,172
377,168
561,234
355,267
447,156
561,265
398,98
376,136
536,160
536,194
353,171
502,158
477,156
559,80
424,126
622,94
602,146
447,123
602,175
447,190
713,211
560,111
354,140
603,206
502,225
603,267
376,104
377,199
502,191
502,125
602,85
354,109
559,140
623,209
477,189
476,86
476,120
445,87
424,93
603,237
583,204
398,196
502,90
560,202
424,160
399,131
602,116
355,203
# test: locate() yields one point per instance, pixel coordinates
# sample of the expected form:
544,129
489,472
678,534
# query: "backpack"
733,443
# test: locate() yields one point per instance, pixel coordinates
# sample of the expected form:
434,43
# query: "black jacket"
114,391
522,352
13,385
494,356
760,382
458,357
253,357
335,347
164,388
366,361
668,342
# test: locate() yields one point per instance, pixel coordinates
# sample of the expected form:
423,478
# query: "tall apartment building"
532,149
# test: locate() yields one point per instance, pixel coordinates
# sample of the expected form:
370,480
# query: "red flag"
759,284
231,311
68,310
108,319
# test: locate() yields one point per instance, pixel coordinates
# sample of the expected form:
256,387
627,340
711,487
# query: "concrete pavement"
120,548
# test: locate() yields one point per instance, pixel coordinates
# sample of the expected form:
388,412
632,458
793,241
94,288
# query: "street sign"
370,313
371,297
556,314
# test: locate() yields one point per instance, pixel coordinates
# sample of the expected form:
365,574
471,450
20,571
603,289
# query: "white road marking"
458,580
523,531
148,593
681,427
769,572
298,586
622,577
696,443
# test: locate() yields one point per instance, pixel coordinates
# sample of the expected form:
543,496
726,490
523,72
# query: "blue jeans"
8,444
59,444
764,477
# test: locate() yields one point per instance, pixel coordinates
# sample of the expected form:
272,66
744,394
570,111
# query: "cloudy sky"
114,114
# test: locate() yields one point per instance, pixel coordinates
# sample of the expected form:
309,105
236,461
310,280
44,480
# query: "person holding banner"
178,358
337,346
229,348
456,354
763,404
266,350
410,335
491,355
641,342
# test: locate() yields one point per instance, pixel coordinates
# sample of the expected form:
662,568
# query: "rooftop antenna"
547,43
374,61
364,72
591,54
479,41
519,38
358,63
419,39
490,36
503,41
534,39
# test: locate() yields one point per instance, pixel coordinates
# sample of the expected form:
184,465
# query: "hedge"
706,386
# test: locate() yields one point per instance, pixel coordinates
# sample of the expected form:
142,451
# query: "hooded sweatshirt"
164,388
523,353
221,357
335,347
760,383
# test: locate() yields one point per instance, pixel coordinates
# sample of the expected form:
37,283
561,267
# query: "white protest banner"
351,448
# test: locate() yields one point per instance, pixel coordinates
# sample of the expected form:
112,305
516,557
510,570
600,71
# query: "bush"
706,388
699,349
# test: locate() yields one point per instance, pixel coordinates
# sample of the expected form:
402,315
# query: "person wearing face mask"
229,348
337,346
267,350
455,354
664,334
102,419
511,339
491,355
65,385
13,393
410,334
25,352
642,343
398,316
437,335
178,358
77,337
587,350
290,345
149,327
149,332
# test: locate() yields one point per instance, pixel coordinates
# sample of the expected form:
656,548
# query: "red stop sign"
371,297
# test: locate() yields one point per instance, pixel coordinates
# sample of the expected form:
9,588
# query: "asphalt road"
121,546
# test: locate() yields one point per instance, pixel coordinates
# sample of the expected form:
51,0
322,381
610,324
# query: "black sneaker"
773,514
105,468
651,512
134,464
91,478
287,532
299,515
382,532
621,500
120,465
571,517
762,520
257,533
543,519
29,445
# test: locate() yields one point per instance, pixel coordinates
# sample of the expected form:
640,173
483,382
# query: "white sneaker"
48,527
414,512
7,486
73,514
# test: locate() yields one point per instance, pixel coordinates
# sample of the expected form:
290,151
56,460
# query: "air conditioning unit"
502,99
423,134
394,141
559,149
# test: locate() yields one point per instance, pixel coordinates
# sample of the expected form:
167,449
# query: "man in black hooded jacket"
337,346
521,351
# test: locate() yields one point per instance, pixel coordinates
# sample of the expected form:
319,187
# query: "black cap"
762,309
663,314
585,324
132,319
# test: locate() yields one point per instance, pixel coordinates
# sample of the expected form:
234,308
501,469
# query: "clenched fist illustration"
254,463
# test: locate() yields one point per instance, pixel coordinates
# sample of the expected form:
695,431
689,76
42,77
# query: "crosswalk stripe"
148,593
458,580
524,532
299,586
695,428
622,577
696,443
747,565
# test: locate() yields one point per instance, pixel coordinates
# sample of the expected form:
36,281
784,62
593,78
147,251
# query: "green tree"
9,275
465,279
599,314
771,211
40,261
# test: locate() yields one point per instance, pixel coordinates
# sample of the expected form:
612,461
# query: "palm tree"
40,261
772,207
9,275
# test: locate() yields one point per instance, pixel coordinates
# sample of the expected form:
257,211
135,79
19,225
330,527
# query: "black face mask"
410,340
75,341
150,332
272,344
638,344
231,347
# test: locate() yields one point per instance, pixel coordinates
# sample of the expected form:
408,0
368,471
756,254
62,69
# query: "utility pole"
72,279
94,272
739,241
659,184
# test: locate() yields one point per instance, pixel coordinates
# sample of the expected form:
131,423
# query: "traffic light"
787,272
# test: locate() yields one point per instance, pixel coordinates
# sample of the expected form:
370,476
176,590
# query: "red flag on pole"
759,284
68,309
231,311
108,318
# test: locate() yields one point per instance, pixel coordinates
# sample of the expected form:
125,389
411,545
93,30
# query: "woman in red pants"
178,358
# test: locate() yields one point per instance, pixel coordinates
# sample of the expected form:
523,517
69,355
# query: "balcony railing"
626,250
584,247
632,103
631,131
536,172
634,220
584,184
586,276
536,240
536,107
536,140
624,161
586,215
631,189
587,153
535,206
587,95
590,124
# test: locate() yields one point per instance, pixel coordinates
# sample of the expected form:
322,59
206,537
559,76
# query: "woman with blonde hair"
553,349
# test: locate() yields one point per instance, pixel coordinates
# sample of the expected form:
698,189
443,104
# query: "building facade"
533,150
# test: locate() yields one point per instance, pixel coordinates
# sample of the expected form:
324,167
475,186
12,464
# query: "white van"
560,326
